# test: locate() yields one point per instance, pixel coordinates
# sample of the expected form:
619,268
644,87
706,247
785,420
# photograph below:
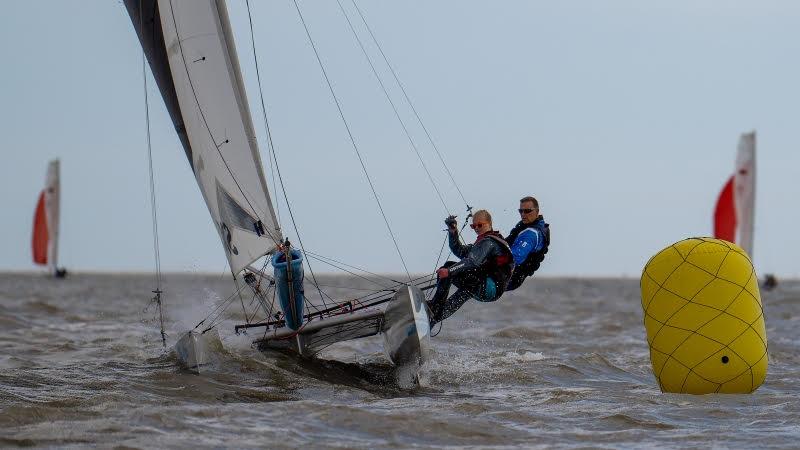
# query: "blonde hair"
482,213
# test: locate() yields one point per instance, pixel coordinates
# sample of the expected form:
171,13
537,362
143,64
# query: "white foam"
525,357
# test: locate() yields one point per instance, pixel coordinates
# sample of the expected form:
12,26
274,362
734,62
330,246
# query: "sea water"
562,362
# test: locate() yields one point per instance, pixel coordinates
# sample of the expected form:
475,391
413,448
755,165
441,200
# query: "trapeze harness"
534,259
499,268
485,282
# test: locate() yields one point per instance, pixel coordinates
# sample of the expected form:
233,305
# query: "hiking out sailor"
482,273
529,241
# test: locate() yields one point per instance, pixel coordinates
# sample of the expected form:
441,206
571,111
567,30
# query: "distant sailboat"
191,52
45,223
734,215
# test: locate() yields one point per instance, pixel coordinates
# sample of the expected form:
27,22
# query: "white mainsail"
744,182
191,52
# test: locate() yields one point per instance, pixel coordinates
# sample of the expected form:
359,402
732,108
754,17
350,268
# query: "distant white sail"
744,182
191,52
52,202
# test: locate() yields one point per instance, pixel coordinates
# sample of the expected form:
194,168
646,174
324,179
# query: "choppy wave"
560,363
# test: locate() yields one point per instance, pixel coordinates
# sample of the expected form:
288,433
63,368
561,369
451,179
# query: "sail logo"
226,236
233,215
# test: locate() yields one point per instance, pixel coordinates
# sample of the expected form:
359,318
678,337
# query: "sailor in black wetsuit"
529,241
482,273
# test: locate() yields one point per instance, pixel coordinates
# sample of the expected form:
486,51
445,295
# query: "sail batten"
191,49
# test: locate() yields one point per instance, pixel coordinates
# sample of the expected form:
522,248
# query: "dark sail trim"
147,22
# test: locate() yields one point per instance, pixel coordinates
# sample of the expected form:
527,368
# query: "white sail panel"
224,152
52,199
745,190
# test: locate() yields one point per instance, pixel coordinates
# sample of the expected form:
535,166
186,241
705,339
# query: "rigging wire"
354,267
352,139
394,108
270,145
345,270
272,152
216,314
153,209
419,119
266,329
411,105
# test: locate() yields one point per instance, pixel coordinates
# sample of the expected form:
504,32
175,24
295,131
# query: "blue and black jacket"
529,244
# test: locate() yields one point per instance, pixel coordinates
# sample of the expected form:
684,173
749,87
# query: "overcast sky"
622,117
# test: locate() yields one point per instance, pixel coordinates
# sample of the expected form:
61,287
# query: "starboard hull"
193,351
404,325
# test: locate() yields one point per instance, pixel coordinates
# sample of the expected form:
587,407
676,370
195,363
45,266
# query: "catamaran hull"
406,333
404,324
193,350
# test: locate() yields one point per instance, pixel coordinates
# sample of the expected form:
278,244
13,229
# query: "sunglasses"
475,226
525,211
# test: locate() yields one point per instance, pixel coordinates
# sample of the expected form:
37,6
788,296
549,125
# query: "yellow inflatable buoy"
704,320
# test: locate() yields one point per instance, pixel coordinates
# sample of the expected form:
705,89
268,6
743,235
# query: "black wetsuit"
482,274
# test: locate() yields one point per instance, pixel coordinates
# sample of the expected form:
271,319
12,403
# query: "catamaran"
734,215
192,56
44,241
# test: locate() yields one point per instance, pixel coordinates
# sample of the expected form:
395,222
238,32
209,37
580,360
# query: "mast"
192,54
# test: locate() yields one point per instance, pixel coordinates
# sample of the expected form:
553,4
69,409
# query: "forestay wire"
153,210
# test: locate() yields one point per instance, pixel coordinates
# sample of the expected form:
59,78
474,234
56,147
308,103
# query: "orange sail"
725,214
40,234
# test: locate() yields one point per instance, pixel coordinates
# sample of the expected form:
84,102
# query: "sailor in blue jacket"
529,241
482,273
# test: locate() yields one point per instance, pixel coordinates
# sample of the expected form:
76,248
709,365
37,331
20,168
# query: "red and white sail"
45,221
734,215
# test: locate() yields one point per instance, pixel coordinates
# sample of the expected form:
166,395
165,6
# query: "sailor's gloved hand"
442,273
451,222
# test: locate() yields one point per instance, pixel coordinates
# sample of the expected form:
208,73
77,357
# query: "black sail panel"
147,22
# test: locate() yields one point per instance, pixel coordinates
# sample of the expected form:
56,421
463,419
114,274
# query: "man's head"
481,221
528,209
